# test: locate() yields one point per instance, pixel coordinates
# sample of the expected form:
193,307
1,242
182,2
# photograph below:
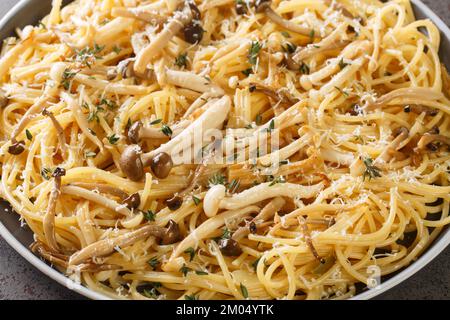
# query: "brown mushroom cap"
131,164
428,141
17,148
161,165
59,172
229,247
172,233
133,201
193,31
174,203
401,131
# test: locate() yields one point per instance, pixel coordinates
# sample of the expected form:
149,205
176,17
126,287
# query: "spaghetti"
97,98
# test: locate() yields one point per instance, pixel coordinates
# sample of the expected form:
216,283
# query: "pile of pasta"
96,96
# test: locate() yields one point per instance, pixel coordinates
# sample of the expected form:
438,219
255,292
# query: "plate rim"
429,255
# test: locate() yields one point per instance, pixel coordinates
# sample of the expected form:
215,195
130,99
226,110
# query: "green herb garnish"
153,262
166,130
181,60
371,171
113,139
253,54
149,215
244,291
28,134
191,252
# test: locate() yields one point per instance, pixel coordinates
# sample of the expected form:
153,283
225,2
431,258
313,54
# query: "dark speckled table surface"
20,280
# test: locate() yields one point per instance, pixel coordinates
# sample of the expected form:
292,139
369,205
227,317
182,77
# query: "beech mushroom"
133,201
229,247
49,218
263,6
140,14
174,203
308,239
193,31
132,162
180,20
429,141
400,134
418,108
169,235
279,95
138,131
406,93
266,213
126,69
17,147
59,130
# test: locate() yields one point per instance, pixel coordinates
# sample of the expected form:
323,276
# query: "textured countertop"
20,280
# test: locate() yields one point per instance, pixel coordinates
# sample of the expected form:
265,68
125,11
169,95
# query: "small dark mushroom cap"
161,165
261,5
290,63
17,148
252,227
174,203
172,233
400,131
240,7
125,68
131,164
134,132
133,201
229,247
59,172
193,31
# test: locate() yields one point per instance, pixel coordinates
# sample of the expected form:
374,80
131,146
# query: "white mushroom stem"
406,93
49,218
207,228
286,24
97,198
140,14
269,190
80,118
59,131
212,118
106,246
200,101
212,199
192,81
386,155
178,21
331,42
266,213
350,52
430,138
